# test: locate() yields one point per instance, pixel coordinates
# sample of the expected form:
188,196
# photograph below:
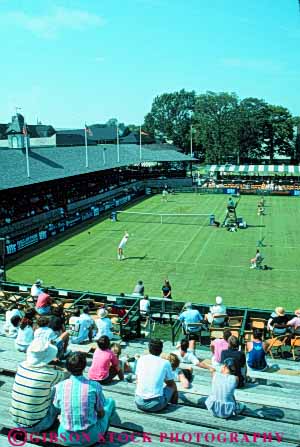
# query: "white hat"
219,300
188,305
38,282
102,313
40,352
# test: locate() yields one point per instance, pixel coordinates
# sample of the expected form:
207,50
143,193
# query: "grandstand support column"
2,259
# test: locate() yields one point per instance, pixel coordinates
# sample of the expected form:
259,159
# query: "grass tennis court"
200,261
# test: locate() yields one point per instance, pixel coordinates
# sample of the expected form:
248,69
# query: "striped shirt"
31,395
78,399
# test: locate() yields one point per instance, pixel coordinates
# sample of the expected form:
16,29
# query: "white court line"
159,261
193,238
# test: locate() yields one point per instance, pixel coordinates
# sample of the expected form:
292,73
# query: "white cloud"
51,24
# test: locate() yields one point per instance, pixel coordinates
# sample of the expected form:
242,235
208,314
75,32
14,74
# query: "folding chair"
258,323
235,321
295,343
276,343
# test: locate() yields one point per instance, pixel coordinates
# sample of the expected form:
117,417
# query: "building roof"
50,163
97,132
255,169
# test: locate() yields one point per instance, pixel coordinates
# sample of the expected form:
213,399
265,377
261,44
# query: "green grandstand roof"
50,163
255,169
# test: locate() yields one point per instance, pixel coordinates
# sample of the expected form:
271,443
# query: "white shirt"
104,326
123,242
81,325
35,291
152,371
25,336
189,357
46,333
144,306
8,316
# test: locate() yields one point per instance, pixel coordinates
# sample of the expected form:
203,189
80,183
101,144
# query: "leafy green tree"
278,132
217,126
171,117
252,113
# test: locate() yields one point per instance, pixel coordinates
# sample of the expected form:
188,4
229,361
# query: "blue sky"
70,61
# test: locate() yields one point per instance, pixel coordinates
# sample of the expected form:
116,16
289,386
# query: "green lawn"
200,261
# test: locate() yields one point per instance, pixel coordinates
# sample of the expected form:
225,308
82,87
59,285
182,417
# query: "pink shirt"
43,300
294,322
220,345
102,361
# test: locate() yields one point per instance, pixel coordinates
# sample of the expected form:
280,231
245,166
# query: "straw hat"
40,352
102,313
279,311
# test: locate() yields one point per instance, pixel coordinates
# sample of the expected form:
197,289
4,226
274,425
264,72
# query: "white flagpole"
118,144
86,148
26,147
191,140
140,143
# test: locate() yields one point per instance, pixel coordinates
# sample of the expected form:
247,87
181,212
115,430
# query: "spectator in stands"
47,333
81,326
187,356
152,374
43,304
139,289
238,357
14,326
12,311
32,396
294,323
187,318
167,290
36,289
217,309
221,402
56,323
25,335
123,360
84,411
277,323
104,324
257,351
217,346
181,375
105,364
145,306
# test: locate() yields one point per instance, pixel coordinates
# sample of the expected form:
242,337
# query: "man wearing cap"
36,289
187,318
153,373
32,396
217,309
104,324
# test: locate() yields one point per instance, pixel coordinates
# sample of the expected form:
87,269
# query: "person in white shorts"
165,195
122,245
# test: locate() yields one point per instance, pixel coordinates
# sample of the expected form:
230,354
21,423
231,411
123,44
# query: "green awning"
255,169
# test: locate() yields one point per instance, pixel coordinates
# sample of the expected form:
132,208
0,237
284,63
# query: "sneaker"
123,257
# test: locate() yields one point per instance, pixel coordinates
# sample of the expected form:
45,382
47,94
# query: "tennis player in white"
122,245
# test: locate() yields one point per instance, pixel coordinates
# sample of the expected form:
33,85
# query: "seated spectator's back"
238,357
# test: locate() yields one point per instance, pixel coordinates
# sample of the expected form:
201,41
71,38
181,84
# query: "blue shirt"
191,316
